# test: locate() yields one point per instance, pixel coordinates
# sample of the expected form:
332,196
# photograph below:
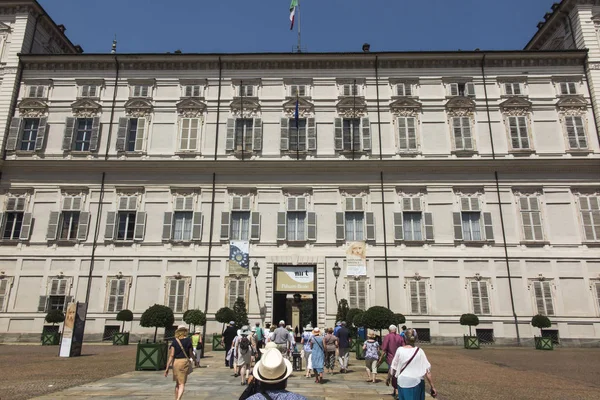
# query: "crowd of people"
273,349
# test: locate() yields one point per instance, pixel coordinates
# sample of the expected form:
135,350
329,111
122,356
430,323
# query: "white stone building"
457,170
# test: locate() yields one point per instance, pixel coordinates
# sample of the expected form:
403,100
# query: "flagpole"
299,49
244,133
297,128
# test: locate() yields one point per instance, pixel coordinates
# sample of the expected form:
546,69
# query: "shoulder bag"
189,357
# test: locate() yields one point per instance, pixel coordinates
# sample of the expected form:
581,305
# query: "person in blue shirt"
338,326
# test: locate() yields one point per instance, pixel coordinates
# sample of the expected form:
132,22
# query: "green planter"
383,368
50,339
543,343
121,339
358,349
216,343
471,342
151,356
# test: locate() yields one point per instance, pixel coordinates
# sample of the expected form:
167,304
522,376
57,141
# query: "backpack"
244,343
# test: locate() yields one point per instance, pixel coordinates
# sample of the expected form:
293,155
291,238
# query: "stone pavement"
215,381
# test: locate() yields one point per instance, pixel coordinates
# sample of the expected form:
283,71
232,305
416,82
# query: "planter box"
543,343
383,368
151,356
50,339
121,339
358,349
471,342
216,343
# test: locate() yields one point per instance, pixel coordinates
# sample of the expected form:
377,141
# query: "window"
240,225
407,133
296,224
354,224
36,91
349,90
58,299
576,133
69,225
83,134
357,294
519,135
140,91
135,134
462,89
247,91
30,133
126,223
301,138
590,216
531,217
472,225
412,224
116,295
297,90
463,139
237,289
481,300
596,286
244,134
89,91
568,88
352,134
192,91
297,134
177,294
182,225
404,89
190,131
543,297
512,89
4,289
17,223
418,297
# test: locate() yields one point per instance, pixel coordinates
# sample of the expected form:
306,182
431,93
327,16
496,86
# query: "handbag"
189,356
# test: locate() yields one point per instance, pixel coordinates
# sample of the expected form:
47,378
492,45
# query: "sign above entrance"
295,279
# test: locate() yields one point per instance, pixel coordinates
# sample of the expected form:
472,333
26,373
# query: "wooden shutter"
361,289
232,293
197,226
580,133
454,89
311,134
140,225
68,134
95,135
338,134
340,226
52,232
122,133
255,226
180,295
414,297
113,289
470,89
285,133
422,297
41,133
257,134
457,222
531,218
547,298
84,223
428,218
466,131
590,216
13,134
370,225
230,138
311,226
412,133
597,287
3,294
475,295
225,219
539,297
245,203
402,133
366,134
172,294
398,226
485,299
111,223
43,304
26,227
352,294
488,226
121,294
167,226
140,134
281,225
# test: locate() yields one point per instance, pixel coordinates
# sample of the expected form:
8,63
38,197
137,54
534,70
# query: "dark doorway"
282,310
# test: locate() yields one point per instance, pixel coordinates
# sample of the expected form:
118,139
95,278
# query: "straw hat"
269,346
316,331
308,328
272,368
182,327
198,330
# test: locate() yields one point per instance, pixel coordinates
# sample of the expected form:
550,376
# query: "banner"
72,337
295,279
356,259
239,257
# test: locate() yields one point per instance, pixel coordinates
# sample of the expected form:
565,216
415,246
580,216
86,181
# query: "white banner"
356,259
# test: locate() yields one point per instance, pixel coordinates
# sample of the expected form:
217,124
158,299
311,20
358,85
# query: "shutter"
95,134
232,292
122,133
340,226
123,203
225,217
67,203
68,134
422,297
52,232
457,221
13,134
338,134
236,203
350,204
39,93
539,297
121,294
167,226
241,289
41,133
84,223
179,203
470,89
112,295
358,204
285,132
466,129
465,204
548,298
311,134
361,288
402,133
581,138
42,303
476,298
188,204
485,299
311,226
245,203
255,226
140,134
76,203
172,293
412,133
132,203
458,133
488,226
428,217
414,297
230,139
26,227
197,226
370,224
588,227
62,287
3,294
398,226
353,294
301,202
180,295
257,135
140,225
109,232
454,89
474,203
366,134
281,225
597,285
291,204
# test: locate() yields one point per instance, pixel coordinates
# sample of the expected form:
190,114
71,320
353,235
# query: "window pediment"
572,104
405,106
33,108
85,108
352,107
250,106
138,107
190,108
460,106
305,107
516,106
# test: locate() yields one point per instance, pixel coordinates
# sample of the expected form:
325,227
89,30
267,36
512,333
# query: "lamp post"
255,272
336,273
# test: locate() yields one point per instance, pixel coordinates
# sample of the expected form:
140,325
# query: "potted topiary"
224,316
241,315
375,318
542,343
153,356
194,317
471,342
122,338
52,337
342,311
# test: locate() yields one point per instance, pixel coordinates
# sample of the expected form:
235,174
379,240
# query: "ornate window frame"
574,106
518,106
411,108
459,107
478,278
190,107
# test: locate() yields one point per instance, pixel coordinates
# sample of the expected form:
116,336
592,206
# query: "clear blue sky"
231,26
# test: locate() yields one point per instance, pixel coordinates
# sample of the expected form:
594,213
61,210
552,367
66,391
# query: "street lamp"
255,270
336,273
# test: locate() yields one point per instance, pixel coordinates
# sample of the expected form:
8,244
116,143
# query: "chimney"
61,28
366,47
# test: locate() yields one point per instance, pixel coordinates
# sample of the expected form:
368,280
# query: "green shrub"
541,321
55,317
225,315
157,316
124,316
351,315
469,320
399,319
194,317
241,315
378,318
342,311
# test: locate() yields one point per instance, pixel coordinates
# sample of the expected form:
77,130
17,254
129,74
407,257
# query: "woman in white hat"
197,345
306,349
243,351
318,355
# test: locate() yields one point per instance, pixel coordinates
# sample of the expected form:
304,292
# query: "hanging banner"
295,279
239,257
356,259
72,337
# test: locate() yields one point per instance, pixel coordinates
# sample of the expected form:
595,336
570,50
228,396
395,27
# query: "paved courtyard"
106,372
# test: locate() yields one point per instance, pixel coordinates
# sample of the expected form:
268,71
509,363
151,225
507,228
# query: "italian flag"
293,6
